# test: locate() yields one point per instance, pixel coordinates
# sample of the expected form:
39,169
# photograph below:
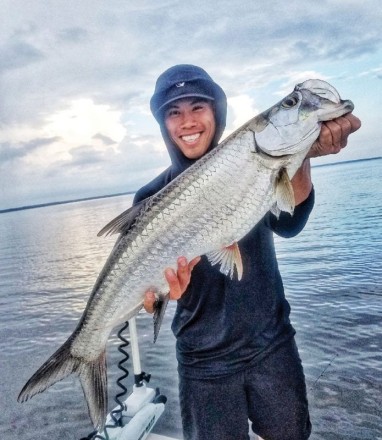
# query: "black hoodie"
223,325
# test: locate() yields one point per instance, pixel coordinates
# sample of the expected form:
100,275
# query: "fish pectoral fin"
159,312
229,258
123,223
284,192
275,210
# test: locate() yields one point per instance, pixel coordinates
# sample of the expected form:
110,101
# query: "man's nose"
188,120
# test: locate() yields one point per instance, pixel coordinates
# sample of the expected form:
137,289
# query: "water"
50,257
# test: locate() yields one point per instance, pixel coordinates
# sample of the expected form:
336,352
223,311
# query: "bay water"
49,260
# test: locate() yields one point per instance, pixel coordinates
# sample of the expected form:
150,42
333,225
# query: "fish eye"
290,101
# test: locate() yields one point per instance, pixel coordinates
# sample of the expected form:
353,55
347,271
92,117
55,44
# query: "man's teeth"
191,138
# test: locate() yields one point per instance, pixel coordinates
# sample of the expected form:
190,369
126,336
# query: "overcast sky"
76,77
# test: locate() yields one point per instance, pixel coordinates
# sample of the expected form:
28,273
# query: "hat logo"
181,84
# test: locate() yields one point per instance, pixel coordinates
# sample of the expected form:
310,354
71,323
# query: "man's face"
190,123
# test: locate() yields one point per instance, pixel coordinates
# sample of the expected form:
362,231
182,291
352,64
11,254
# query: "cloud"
18,54
106,140
73,35
243,108
114,61
375,72
11,152
85,156
81,76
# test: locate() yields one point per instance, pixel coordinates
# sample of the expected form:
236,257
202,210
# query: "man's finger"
354,122
194,262
173,282
332,140
183,273
149,301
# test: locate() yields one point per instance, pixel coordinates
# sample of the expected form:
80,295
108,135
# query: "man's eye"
171,113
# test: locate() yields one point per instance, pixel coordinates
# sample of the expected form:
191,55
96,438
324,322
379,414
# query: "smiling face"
191,125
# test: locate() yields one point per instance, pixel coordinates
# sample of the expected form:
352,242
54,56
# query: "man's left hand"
334,135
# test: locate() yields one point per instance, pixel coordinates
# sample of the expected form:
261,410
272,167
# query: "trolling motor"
135,417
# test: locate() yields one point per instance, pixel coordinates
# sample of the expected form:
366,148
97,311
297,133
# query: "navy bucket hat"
185,81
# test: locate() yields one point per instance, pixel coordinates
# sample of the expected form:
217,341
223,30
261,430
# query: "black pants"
272,395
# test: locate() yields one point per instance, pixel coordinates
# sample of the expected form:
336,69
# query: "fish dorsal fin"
284,192
229,257
122,223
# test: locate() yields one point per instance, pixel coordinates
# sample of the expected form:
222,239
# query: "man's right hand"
177,281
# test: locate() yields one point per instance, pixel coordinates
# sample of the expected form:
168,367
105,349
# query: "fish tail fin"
60,365
94,384
56,368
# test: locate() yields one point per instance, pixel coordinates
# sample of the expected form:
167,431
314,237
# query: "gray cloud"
85,156
73,34
104,139
120,50
112,52
10,152
18,54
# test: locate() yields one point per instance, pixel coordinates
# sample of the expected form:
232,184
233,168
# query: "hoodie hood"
183,81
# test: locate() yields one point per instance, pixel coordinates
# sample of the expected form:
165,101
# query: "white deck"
159,437
163,437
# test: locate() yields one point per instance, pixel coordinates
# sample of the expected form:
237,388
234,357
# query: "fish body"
204,211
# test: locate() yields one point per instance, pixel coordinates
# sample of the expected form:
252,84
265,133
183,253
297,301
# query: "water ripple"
332,275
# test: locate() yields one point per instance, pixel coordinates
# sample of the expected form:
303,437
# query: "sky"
76,77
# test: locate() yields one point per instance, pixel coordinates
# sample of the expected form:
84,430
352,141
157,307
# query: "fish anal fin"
284,192
122,223
159,312
229,258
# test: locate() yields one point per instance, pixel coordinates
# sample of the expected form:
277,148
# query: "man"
237,359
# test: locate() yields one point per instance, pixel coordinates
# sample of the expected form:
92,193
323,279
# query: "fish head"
293,124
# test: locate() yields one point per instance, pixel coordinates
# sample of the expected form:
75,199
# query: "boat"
135,417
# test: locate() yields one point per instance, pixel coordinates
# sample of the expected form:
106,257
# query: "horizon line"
84,199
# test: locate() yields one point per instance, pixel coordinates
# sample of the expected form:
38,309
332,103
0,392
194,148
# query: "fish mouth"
343,107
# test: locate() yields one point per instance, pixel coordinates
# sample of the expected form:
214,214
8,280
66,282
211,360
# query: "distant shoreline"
346,161
63,202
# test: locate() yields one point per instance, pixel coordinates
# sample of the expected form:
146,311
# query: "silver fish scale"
208,207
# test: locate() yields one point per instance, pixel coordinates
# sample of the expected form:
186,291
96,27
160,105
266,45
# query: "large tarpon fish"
205,210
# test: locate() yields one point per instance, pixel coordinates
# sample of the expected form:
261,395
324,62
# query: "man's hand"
177,282
334,135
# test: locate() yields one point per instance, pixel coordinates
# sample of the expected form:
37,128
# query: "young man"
237,359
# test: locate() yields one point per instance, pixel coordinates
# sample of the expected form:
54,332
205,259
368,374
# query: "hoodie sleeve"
291,225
